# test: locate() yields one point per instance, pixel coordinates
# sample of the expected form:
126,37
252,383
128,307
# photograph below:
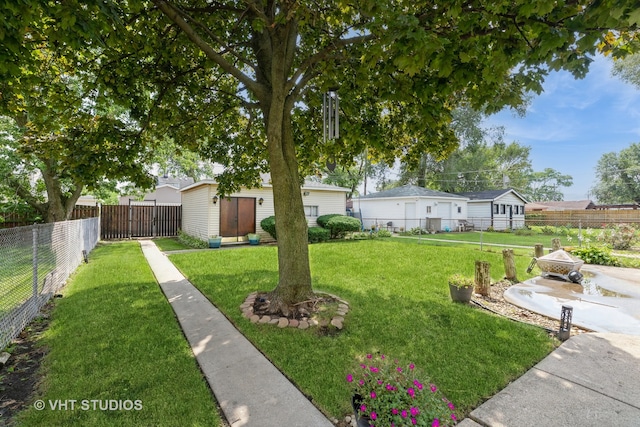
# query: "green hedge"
318,234
322,220
269,225
342,224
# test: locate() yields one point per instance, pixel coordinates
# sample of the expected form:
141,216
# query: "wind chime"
330,119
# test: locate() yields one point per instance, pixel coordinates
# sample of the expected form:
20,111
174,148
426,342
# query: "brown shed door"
237,216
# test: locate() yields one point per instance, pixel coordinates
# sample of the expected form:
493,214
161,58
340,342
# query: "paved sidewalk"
590,380
249,389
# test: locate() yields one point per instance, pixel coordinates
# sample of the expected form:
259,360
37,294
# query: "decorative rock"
294,323
337,322
303,325
274,321
4,358
312,322
283,322
254,318
341,313
264,319
344,307
247,313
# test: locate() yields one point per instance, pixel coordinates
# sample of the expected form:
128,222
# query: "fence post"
35,269
579,233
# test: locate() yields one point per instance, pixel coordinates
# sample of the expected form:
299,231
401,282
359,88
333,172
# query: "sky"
574,122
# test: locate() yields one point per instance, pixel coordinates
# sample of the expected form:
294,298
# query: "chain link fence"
36,262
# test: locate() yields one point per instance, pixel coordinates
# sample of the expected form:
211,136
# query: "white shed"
500,209
205,213
410,206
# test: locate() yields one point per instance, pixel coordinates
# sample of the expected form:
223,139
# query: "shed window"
503,209
428,209
496,209
459,209
311,211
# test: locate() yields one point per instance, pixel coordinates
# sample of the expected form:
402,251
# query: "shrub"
619,236
322,220
192,242
417,231
547,230
524,231
318,234
595,255
383,233
342,224
269,225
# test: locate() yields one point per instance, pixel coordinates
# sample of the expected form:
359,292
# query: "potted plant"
461,287
387,392
215,241
254,239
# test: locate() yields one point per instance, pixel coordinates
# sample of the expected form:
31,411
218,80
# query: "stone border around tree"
282,322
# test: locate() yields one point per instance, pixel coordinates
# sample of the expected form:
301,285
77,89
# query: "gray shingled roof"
489,194
410,191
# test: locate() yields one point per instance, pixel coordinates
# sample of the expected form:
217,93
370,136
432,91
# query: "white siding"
480,214
381,211
201,218
328,202
504,221
196,207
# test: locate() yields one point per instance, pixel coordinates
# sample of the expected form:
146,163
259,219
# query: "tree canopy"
618,176
244,80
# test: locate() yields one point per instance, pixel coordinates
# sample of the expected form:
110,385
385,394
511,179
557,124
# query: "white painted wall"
201,218
480,213
383,210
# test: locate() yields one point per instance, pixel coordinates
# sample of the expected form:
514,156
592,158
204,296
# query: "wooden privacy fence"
585,218
122,221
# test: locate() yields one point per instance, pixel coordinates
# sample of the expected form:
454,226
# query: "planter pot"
361,420
215,242
254,240
460,294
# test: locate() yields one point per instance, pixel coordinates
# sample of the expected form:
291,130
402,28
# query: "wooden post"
509,265
483,278
539,250
555,244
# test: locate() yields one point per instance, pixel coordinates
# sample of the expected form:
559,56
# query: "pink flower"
450,405
433,388
403,414
417,384
411,366
380,382
349,378
374,369
369,356
361,382
435,423
373,415
453,417
373,395
414,421
382,356
394,411
363,408
411,392
399,369
389,387
414,411
363,366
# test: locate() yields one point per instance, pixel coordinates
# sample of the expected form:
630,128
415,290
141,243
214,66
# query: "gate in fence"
139,220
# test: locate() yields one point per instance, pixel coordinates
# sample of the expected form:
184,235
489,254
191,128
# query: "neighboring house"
500,209
576,205
411,206
167,192
205,213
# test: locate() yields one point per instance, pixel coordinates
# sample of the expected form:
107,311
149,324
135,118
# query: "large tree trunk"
59,206
294,284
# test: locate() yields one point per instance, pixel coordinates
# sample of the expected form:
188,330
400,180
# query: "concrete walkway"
249,389
590,380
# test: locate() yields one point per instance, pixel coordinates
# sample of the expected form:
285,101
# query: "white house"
411,206
500,209
205,213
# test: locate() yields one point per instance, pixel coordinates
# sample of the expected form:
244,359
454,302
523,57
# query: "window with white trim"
428,209
311,211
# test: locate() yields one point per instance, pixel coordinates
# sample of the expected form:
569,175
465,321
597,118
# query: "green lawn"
400,306
113,336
